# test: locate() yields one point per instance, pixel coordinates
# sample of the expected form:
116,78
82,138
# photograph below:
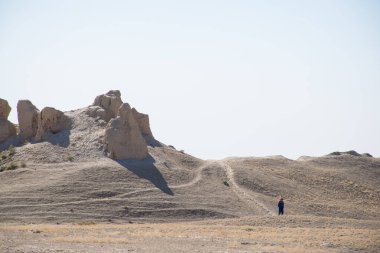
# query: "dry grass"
263,238
90,239
87,223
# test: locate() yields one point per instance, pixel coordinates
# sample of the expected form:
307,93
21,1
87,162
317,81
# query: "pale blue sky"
218,78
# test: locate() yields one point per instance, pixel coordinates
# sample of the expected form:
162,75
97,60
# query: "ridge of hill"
73,175
170,185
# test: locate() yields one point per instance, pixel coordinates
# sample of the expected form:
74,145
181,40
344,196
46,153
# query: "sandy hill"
75,170
96,180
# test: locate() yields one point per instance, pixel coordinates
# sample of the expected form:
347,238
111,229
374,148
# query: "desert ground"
66,195
291,233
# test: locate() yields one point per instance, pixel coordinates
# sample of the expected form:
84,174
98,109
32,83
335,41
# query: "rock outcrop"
143,122
50,121
7,129
106,106
27,115
126,135
97,112
349,153
127,132
5,109
123,137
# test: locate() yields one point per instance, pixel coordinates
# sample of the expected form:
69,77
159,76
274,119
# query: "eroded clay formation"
126,129
27,115
123,138
7,129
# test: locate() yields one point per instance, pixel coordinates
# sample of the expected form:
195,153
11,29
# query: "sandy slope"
68,179
344,186
175,186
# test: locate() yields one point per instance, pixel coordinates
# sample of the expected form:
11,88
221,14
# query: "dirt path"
122,196
241,193
248,198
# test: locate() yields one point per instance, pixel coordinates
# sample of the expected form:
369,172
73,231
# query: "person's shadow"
147,170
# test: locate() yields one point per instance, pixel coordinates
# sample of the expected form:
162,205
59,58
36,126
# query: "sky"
217,78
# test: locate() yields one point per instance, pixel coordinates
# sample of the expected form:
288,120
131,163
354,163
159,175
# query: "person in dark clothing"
281,206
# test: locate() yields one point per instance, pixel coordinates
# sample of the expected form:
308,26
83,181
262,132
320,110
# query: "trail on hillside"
196,179
241,193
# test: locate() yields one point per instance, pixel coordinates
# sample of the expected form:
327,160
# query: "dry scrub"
194,236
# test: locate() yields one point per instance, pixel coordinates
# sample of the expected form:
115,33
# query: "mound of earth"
78,171
351,152
116,129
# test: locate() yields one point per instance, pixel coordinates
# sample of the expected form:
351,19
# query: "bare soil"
69,197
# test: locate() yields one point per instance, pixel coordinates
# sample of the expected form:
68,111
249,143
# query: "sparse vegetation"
11,150
9,153
86,223
70,158
351,237
226,183
9,166
6,162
